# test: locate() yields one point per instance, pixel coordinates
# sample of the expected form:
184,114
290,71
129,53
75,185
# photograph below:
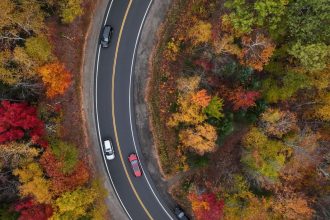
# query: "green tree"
241,17
270,12
70,9
313,57
39,49
241,203
262,156
214,109
308,21
281,90
6,213
66,153
263,13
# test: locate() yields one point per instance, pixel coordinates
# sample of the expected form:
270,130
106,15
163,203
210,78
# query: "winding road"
115,113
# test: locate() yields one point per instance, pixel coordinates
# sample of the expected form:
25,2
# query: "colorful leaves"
278,123
31,177
56,78
242,99
263,156
201,98
200,32
201,138
206,206
214,109
63,182
18,120
30,210
257,51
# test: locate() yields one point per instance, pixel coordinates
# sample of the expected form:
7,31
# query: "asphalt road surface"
115,112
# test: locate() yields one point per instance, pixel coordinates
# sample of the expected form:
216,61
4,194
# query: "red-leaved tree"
206,206
242,99
18,120
61,182
29,210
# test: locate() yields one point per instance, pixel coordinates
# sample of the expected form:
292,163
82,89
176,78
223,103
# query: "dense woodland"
42,174
240,97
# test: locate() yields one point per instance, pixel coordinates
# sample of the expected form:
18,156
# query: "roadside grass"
166,146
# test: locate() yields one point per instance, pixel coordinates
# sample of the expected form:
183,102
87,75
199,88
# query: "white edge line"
98,125
130,112
106,18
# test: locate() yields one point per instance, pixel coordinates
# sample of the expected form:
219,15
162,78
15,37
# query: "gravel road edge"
148,40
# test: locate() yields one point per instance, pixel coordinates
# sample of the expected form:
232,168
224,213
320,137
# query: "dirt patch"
70,40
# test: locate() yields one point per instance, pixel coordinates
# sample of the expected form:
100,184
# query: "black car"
180,214
106,36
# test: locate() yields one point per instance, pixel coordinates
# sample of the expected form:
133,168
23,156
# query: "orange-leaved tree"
201,98
256,51
56,78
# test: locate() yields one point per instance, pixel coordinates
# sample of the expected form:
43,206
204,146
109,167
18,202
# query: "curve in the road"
144,189
113,110
130,108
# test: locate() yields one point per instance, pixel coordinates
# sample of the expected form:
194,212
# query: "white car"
109,152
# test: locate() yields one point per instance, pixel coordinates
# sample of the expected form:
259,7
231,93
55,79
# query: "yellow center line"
113,110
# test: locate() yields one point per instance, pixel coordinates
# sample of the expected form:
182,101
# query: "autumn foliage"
30,210
18,120
56,78
32,39
256,51
242,99
61,182
206,206
201,98
201,139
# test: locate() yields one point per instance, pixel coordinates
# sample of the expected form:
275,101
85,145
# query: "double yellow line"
113,110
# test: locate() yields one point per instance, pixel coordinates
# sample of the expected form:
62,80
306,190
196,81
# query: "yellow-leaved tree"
81,202
201,138
189,112
201,32
322,111
33,183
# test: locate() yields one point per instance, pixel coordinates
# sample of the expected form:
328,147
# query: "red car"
133,159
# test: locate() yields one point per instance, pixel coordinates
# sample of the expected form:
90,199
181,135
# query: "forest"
44,169
239,95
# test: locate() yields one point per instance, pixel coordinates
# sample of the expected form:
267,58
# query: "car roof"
106,30
108,145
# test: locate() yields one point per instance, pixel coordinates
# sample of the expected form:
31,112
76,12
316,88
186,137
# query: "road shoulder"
146,44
